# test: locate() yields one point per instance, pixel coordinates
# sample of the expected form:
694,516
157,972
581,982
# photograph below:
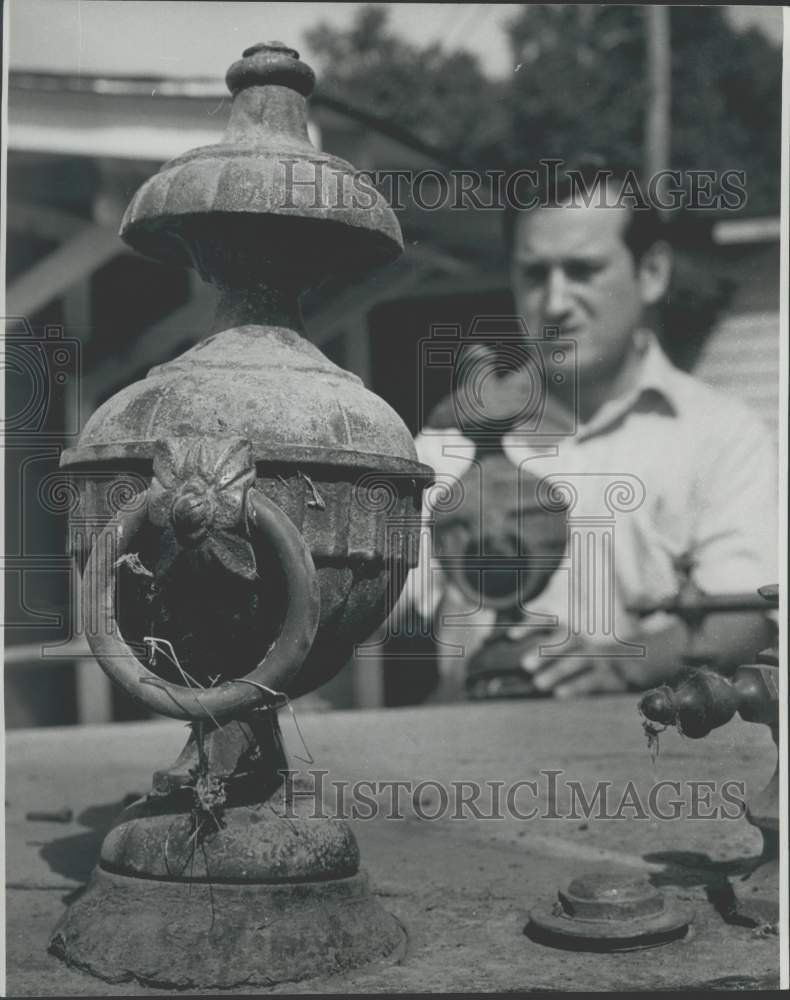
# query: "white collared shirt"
697,476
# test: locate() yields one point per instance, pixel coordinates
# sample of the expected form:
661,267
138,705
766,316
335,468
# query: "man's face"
571,269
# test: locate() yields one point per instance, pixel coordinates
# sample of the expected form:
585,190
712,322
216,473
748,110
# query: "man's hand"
582,672
728,639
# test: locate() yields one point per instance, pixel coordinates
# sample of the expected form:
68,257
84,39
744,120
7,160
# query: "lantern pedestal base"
199,935
232,878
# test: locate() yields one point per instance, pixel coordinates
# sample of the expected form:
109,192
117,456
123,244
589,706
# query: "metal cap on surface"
609,911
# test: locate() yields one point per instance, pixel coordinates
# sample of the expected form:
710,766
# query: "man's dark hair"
583,182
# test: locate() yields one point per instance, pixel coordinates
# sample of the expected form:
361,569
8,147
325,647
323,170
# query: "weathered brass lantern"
258,548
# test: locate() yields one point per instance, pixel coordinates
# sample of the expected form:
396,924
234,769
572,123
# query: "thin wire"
287,704
154,642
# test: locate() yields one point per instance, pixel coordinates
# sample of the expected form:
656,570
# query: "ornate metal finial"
270,63
270,47
252,561
263,200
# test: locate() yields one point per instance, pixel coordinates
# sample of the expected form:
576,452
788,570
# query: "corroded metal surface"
266,842
254,552
263,175
325,448
252,382
609,911
463,889
179,935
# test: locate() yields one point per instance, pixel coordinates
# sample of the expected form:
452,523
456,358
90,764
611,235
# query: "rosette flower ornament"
198,491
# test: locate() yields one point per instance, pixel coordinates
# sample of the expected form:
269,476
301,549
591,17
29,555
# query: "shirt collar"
655,383
658,373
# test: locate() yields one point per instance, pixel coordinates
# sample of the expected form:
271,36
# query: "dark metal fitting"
609,911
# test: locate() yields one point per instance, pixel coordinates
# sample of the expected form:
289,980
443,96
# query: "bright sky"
167,38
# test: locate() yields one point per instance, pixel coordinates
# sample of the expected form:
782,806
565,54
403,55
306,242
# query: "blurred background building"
100,95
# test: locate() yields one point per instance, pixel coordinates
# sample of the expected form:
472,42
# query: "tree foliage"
442,97
578,87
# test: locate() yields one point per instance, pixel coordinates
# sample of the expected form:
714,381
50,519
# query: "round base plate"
562,931
199,936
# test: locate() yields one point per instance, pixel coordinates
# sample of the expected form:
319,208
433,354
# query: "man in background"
595,274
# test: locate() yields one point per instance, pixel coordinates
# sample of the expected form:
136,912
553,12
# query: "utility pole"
659,91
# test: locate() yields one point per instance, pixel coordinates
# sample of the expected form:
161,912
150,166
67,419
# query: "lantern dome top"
263,199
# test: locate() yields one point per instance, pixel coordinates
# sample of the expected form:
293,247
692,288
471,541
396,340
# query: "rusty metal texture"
182,935
316,434
276,516
609,912
263,196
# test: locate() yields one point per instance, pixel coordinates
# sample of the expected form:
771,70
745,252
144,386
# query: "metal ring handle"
232,698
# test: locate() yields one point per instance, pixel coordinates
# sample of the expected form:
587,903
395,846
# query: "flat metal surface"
462,888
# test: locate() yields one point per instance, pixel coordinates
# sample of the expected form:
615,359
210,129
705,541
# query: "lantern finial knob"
270,47
270,63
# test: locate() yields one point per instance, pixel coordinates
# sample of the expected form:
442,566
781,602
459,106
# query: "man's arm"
736,508
734,551
731,639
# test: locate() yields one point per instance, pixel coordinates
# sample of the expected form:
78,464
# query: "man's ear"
655,270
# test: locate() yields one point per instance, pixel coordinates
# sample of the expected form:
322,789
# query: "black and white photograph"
395,447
